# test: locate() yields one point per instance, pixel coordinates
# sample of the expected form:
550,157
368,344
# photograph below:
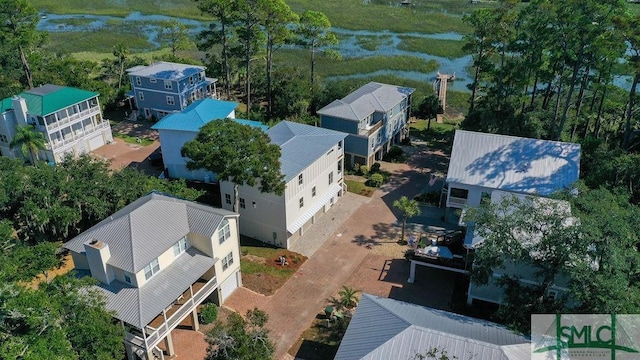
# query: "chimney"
97,255
20,109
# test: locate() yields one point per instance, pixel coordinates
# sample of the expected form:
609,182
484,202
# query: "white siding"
172,142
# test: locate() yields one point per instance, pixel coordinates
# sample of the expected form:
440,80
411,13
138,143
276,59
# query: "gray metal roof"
384,328
301,145
366,100
165,70
138,306
144,229
513,163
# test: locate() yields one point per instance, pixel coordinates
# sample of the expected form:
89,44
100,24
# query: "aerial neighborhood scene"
295,179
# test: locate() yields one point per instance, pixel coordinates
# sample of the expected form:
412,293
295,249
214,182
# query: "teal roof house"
177,128
69,118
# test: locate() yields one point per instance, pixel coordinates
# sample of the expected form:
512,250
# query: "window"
4,139
141,95
180,246
151,269
553,294
459,193
127,278
227,261
253,203
301,202
170,100
313,192
339,145
242,203
200,76
138,80
168,85
153,81
224,231
227,198
339,167
300,179
191,80
331,178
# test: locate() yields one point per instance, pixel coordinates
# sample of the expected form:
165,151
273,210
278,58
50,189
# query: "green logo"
585,336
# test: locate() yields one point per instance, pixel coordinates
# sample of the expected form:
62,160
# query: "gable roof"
198,114
513,163
165,70
47,99
384,328
301,145
144,229
366,100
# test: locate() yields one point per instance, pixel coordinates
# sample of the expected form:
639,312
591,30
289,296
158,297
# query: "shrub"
209,313
375,167
376,180
406,141
356,168
432,197
395,152
364,170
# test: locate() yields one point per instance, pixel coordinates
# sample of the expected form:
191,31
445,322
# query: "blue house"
178,128
375,116
164,87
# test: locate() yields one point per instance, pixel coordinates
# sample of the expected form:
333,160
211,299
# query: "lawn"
133,139
358,187
261,271
320,342
440,136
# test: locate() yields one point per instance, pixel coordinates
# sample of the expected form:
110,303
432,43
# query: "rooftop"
301,145
513,163
165,70
366,100
200,113
383,328
48,99
144,229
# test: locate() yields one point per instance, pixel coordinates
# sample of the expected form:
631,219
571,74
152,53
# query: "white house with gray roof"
376,116
312,162
383,329
156,260
481,163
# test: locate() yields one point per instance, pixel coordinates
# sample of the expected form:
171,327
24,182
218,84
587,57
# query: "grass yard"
261,271
440,136
358,187
445,48
133,139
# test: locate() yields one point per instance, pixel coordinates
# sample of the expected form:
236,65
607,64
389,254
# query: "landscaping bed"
261,270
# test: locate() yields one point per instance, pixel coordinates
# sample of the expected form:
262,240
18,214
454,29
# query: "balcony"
370,130
162,325
72,118
72,138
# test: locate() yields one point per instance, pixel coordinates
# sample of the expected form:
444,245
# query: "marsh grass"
445,48
372,43
96,41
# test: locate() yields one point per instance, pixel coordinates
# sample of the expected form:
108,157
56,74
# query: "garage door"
96,142
229,285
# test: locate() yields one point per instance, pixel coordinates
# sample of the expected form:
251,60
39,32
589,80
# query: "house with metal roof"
156,260
376,116
312,162
177,128
481,163
165,87
383,328
70,120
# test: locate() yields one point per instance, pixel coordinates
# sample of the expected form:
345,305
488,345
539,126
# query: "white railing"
74,137
456,202
69,119
176,318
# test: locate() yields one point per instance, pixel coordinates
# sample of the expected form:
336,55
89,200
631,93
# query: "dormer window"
180,246
191,80
224,232
151,269
138,80
168,85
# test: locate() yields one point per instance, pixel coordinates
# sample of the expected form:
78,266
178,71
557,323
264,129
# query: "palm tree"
121,52
408,208
348,296
30,141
